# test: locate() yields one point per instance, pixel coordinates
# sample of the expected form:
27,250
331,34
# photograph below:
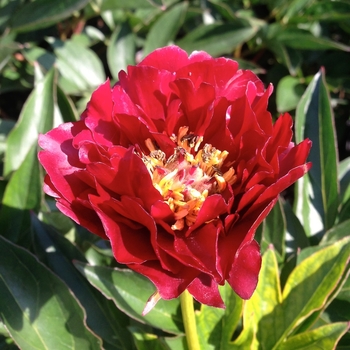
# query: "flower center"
188,176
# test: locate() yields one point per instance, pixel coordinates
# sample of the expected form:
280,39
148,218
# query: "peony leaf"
146,341
296,238
80,67
216,326
217,39
274,230
130,292
102,315
125,4
36,117
344,179
164,30
325,338
317,199
288,93
121,50
42,13
337,232
258,310
37,308
66,109
311,285
301,39
23,192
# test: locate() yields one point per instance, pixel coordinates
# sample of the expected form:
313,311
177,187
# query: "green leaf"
303,40
295,237
164,30
23,192
216,326
147,341
102,316
121,50
36,117
42,13
274,230
258,316
311,284
317,199
288,93
295,7
126,4
80,67
66,109
37,307
130,292
337,232
344,179
217,39
7,48
325,338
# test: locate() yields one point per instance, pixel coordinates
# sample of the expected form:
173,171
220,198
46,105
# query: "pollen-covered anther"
188,176
230,176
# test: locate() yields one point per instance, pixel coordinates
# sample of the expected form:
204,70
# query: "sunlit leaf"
217,39
43,13
325,338
37,307
317,192
130,292
36,117
164,30
121,50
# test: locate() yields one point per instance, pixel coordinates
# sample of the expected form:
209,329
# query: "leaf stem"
189,320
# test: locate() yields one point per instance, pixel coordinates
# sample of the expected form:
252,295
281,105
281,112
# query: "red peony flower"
177,165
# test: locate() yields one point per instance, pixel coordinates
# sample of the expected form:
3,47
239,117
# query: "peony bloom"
177,165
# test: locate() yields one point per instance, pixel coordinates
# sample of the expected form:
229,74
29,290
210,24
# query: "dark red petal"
129,228
205,290
243,277
197,104
169,285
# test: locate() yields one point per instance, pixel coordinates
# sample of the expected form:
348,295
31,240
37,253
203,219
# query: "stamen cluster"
188,176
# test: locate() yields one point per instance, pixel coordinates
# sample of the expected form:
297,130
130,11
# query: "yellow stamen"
187,177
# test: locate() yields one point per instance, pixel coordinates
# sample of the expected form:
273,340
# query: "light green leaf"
325,338
36,117
80,67
258,317
22,193
126,4
217,39
37,307
344,179
288,93
337,232
42,13
309,287
147,341
121,49
164,30
130,292
317,199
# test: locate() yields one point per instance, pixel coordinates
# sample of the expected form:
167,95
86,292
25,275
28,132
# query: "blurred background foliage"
53,54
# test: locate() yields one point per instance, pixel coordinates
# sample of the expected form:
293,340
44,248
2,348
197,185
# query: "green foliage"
60,286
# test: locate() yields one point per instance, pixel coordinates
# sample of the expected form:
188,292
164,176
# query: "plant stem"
189,320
